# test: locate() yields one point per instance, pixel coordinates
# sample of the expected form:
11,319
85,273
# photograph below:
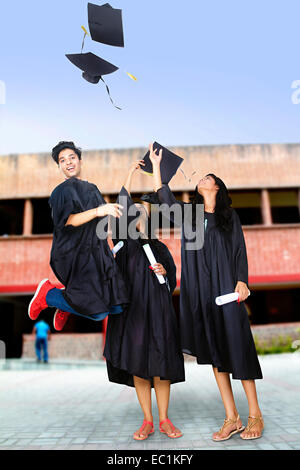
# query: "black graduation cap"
93,67
105,24
169,164
152,198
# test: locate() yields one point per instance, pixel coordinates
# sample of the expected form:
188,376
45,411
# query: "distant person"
43,333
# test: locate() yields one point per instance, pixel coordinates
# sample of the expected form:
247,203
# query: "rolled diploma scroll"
117,247
227,298
152,260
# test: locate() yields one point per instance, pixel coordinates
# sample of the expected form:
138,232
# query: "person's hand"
155,157
158,268
242,290
136,166
109,209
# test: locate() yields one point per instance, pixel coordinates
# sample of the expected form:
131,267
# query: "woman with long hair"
142,347
217,335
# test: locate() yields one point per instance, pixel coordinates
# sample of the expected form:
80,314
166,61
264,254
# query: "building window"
136,197
273,305
248,206
284,206
11,217
42,220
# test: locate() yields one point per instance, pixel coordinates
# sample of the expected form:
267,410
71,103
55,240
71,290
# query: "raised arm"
125,190
132,169
165,195
124,197
155,159
163,191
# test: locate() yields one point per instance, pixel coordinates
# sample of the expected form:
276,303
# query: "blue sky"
209,72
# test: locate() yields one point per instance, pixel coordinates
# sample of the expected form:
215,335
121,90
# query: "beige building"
263,181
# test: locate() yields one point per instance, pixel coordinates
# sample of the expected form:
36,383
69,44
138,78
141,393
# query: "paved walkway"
77,408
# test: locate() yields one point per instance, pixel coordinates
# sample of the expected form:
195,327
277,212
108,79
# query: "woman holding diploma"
217,335
142,346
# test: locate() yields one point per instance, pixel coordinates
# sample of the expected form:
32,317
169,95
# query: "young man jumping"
81,261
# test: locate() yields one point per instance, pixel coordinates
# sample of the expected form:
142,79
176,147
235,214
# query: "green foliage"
278,344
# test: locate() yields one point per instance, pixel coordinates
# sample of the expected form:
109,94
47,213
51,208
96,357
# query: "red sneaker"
38,302
60,319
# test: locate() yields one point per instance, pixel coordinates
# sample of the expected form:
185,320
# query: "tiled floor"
77,408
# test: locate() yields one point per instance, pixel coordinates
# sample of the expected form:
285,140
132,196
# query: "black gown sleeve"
166,196
125,194
170,267
239,250
123,222
164,257
120,231
63,203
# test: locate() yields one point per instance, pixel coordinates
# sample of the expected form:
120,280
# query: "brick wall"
266,333
273,256
273,251
89,346
68,346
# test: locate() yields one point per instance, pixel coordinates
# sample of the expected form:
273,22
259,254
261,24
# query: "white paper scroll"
226,299
117,247
152,261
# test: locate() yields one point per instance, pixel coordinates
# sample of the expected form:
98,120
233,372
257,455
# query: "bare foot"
143,432
229,426
254,428
170,430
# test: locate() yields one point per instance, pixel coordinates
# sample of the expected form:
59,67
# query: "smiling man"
81,261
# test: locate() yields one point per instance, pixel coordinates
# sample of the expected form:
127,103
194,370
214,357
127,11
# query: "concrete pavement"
62,407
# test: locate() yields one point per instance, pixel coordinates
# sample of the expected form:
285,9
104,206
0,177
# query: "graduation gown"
217,335
81,261
144,341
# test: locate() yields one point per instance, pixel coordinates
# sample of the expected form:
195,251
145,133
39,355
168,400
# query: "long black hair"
223,211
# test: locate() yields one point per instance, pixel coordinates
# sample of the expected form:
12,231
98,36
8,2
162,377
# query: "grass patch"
278,344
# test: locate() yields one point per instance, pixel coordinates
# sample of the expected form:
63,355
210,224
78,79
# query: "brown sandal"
228,421
255,420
